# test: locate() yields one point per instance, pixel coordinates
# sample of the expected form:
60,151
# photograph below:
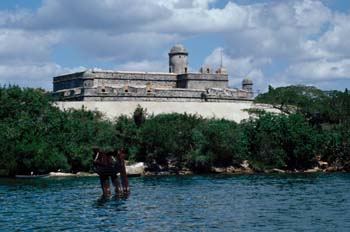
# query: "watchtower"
178,59
247,85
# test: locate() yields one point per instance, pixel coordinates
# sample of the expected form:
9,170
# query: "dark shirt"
106,164
105,158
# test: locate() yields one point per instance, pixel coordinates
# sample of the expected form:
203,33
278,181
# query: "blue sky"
273,42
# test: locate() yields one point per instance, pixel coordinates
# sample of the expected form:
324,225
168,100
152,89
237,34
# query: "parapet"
205,69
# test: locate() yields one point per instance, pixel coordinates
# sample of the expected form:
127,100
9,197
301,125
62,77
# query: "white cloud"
311,14
238,68
180,4
120,47
304,34
97,14
274,29
335,40
16,18
22,45
279,29
321,70
33,75
145,65
174,17
25,58
195,20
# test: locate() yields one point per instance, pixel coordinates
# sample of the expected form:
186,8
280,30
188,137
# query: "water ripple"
313,202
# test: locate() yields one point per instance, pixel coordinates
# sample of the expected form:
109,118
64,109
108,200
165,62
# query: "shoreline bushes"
37,137
281,141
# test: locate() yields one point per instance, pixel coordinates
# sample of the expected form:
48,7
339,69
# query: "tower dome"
178,59
178,48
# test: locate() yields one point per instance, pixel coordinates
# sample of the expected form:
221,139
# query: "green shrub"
220,140
167,137
281,141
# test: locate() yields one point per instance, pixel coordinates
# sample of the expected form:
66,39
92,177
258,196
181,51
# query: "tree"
217,143
127,137
309,101
283,141
139,115
167,137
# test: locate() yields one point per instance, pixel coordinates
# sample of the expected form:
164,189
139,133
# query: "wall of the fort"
147,93
132,93
69,81
141,79
202,81
143,86
105,78
231,111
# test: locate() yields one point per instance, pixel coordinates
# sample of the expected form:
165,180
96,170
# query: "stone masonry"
176,86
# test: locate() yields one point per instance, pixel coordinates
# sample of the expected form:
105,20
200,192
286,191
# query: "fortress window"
103,90
208,70
185,69
126,90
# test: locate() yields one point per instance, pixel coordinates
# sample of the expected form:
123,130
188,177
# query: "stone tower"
247,85
178,59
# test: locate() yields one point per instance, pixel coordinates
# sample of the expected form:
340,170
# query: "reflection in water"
105,200
315,202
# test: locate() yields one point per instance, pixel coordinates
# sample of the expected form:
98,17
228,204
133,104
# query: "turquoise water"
312,202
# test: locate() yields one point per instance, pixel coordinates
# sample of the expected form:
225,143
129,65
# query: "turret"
178,59
247,85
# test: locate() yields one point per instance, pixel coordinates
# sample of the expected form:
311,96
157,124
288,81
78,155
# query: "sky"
272,42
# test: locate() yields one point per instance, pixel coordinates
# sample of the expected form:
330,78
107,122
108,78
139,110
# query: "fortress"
178,85
116,93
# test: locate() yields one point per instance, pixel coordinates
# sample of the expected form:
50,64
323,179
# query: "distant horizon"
277,43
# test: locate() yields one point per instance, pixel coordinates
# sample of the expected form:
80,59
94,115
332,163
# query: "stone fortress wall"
93,78
176,86
235,111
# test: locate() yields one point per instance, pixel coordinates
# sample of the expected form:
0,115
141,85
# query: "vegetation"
35,136
318,107
327,112
281,141
217,143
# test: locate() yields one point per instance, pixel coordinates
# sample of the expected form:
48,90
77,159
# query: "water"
312,202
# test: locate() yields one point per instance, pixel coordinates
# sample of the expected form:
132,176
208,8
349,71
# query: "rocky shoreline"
137,169
244,168
141,169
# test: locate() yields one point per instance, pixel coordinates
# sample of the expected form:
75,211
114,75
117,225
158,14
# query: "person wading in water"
107,164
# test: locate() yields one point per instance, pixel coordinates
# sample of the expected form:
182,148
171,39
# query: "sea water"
279,202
